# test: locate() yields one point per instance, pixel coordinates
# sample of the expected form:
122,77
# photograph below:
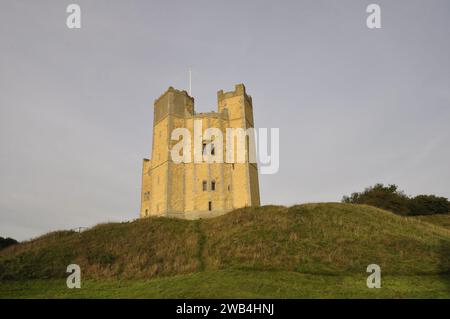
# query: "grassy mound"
326,239
440,220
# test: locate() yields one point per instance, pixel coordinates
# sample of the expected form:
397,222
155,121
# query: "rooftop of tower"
239,89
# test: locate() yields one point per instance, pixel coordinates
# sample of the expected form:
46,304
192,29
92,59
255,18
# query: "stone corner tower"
197,190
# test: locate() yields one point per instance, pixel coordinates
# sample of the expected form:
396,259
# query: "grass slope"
321,246
440,220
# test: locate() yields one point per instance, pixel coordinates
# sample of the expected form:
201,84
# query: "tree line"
392,199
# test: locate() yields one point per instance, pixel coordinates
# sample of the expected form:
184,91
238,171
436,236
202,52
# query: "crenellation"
170,89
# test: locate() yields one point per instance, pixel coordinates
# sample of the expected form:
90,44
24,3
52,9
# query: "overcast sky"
354,106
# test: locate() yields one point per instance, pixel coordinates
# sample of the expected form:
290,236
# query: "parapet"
223,115
239,90
172,90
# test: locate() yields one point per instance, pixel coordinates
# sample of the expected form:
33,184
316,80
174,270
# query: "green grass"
312,250
440,220
237,284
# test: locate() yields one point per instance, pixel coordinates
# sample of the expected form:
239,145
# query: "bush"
385,197
429,205
392,199
5,242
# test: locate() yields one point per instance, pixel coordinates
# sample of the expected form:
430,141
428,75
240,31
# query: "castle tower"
244,176
196,190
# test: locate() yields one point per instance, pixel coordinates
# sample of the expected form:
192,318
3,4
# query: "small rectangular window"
213,185
210,206
205,186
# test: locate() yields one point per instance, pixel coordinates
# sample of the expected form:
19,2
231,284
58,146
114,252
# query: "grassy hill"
274,245
440,220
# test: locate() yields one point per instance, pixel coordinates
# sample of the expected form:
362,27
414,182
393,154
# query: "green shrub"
5,242
392,199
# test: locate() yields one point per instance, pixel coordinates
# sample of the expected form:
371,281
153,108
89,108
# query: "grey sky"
354,106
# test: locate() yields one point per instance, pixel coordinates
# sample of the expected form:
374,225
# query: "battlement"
171,89
219,115
239,90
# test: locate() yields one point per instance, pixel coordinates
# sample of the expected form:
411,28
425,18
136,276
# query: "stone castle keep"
197,190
